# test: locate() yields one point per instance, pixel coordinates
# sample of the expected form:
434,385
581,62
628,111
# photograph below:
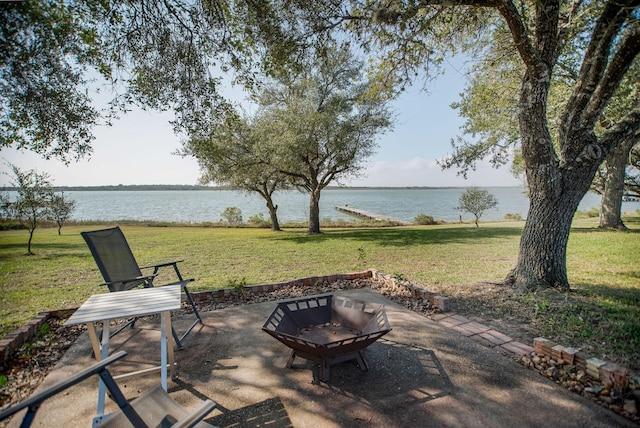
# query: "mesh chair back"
114,258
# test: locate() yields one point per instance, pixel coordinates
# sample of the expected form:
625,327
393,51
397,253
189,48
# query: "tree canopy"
57,54
44,105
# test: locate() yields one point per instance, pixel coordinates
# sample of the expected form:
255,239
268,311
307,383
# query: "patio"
420,374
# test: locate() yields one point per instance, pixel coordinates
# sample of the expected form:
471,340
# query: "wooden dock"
367,214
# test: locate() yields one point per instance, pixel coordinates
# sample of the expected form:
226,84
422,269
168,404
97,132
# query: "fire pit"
327,329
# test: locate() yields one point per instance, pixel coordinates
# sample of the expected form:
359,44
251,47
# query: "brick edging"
233,294
27,332
599,370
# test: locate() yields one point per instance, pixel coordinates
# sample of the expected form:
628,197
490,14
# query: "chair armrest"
126,280
196,416
174,263
159,265
129,283
33,402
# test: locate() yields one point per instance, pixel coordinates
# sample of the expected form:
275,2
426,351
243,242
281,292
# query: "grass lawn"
452,259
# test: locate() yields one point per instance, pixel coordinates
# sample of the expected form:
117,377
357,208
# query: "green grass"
603,265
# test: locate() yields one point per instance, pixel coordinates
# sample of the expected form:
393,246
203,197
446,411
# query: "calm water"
208,205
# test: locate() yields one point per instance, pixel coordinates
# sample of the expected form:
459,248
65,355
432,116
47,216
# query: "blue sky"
138,149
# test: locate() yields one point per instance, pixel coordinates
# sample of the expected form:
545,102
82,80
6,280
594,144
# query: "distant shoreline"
152,187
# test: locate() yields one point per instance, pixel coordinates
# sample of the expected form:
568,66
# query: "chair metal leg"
176,339
192,303
198,320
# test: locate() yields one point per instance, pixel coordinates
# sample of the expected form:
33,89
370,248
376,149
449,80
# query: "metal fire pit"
327,329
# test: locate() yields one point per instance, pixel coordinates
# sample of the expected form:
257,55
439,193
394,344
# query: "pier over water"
367,214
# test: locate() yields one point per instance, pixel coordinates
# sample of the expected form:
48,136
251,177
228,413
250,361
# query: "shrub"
592,213
259,220
509,216
424,219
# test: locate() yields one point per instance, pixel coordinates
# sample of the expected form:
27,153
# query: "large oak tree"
408,35
489,104
322,122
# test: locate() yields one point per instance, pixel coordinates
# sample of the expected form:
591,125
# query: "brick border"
14,340
597,369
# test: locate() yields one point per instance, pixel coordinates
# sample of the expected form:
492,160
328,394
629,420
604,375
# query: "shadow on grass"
43,251
585,229
406,236
613,297
48,249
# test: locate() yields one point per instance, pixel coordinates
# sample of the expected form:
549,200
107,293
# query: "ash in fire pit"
327,329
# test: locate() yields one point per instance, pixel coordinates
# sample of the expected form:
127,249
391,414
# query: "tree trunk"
31,230
555,192
275,225
314,212
611,207
542,260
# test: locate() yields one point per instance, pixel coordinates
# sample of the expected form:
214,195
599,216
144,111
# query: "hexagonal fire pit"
327,329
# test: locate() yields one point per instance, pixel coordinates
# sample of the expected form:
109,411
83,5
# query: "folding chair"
121,271
153,409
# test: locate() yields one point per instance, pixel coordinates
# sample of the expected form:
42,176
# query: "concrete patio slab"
421,374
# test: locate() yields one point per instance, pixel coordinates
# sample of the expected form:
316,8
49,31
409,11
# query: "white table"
127,304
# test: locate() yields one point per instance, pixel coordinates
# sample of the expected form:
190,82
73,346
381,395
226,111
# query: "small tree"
60,210
35,194
231,153
232,215
476,201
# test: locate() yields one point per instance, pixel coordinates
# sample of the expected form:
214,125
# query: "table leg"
170,345
164,324
95,343
101,356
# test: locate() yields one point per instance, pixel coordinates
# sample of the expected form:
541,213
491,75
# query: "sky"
140,148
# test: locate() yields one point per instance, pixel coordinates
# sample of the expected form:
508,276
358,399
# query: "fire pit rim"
329,352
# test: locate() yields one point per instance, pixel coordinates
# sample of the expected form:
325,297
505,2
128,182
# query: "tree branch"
615,72
547,20
519,32
595,62
625,128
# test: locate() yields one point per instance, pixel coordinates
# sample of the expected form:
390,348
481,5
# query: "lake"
196,206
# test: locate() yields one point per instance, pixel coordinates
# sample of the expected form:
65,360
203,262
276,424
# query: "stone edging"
595,368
